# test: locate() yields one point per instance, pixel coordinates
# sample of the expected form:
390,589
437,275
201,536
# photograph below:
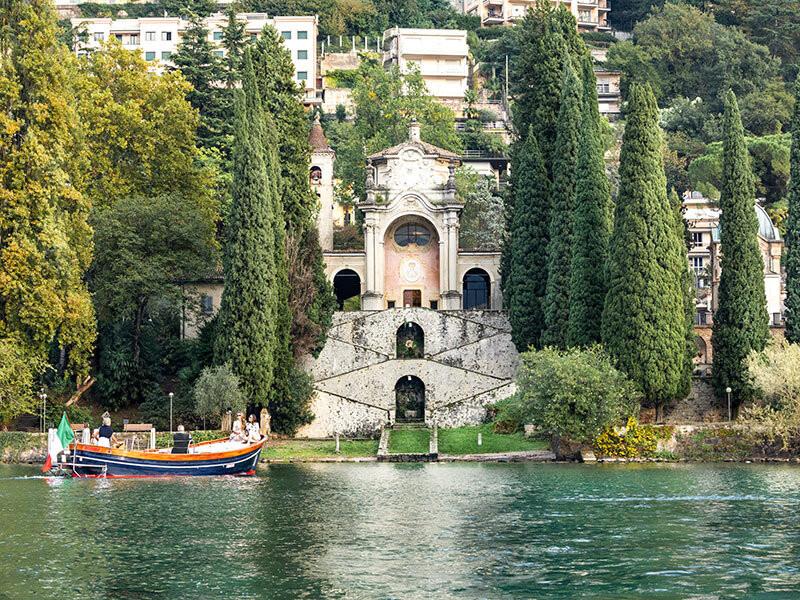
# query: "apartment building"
440,54
609,96
592,15
157,38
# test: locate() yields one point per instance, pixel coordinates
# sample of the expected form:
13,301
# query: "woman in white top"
237,434
253,430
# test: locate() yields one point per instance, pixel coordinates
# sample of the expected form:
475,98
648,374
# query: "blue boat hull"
87,463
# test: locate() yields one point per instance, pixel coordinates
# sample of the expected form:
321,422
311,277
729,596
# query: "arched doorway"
409,394
410,341
701,355
347,287
477,290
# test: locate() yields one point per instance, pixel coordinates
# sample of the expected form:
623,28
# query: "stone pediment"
419,147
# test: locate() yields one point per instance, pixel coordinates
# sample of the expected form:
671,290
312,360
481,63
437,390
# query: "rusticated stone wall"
468,363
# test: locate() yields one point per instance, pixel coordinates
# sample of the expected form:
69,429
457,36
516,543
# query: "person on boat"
237,430
181,440
106,437
95,439
253,430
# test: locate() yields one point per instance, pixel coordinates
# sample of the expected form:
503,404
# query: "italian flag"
58,441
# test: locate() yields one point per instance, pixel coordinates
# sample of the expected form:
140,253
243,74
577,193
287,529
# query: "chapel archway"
410,341
477,290
347,287
409,392
411,268
701,354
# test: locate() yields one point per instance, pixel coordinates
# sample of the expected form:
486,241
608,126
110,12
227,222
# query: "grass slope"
307,449
408,441
464,440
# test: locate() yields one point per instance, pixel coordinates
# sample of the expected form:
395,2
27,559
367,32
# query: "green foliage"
525,272
203,69
635,441
792,260
18,375
741,323
165,440
246,336
482,224
572,394
45,237
559,249
591,226
216,391
464,440
644,326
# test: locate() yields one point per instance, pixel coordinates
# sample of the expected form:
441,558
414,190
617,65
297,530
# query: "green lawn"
307,449
408,441
464,440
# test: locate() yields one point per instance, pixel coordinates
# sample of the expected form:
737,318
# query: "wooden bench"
137,427
78,426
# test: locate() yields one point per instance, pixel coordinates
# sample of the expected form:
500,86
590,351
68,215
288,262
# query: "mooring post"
337,442
480,439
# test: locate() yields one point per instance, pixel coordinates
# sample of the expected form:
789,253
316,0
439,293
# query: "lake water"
408,531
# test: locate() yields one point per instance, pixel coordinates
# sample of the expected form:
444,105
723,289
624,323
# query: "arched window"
410,341
412,233
347,287
409,394
477,286
701,356
315,175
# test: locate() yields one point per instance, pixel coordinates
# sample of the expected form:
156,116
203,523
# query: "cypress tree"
247,313
591,226
199,65
792,260
528,234
559,248
234,40
741,323
644,321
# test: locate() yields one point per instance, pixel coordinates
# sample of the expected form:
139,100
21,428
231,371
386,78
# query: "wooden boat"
216,457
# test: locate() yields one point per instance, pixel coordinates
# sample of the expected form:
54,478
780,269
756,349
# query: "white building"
158,38
440,54
702,217
592,15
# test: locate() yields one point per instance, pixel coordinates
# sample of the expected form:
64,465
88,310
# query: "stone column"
451,295
373,296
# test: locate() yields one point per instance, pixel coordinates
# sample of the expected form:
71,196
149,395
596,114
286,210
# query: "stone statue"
370,175
451,178
265,421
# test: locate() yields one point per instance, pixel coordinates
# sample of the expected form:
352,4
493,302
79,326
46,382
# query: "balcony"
494,18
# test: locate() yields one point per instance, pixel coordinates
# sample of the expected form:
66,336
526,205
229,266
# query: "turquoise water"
408,531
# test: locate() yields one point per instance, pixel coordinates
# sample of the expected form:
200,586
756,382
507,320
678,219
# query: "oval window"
412,233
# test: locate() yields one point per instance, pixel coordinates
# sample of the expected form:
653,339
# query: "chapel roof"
316,137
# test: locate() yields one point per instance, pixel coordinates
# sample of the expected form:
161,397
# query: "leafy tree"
217,391
571,394
145,247
204,70
482,224
45,238
644,327
186,8
773,23
19,372
591,226
741,323
246,336
682,51
627,13
559,248
525,277
792,261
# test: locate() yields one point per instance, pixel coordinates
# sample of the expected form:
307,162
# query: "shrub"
572,394
636,440
216,391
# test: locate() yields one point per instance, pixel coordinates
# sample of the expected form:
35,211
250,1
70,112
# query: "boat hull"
96,461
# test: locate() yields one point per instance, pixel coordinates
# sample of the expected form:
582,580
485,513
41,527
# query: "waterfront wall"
468,363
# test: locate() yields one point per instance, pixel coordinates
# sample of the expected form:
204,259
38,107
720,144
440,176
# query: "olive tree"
775,375
216,391
571,394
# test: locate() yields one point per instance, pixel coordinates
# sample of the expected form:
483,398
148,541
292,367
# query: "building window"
701,317
603,88
302,35
698,265
134,39
302,54
287,35
98,36
166,36
217,36
697,239
390,304
302,75
118,36
253,37
412,233
149,55
476,292
207,304
435,304
166,55
585,16
150,36
219,53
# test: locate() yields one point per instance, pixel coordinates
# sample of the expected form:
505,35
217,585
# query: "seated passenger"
237,430
253,430
180,441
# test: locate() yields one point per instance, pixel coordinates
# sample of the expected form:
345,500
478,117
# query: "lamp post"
170,411
728,391
43,398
